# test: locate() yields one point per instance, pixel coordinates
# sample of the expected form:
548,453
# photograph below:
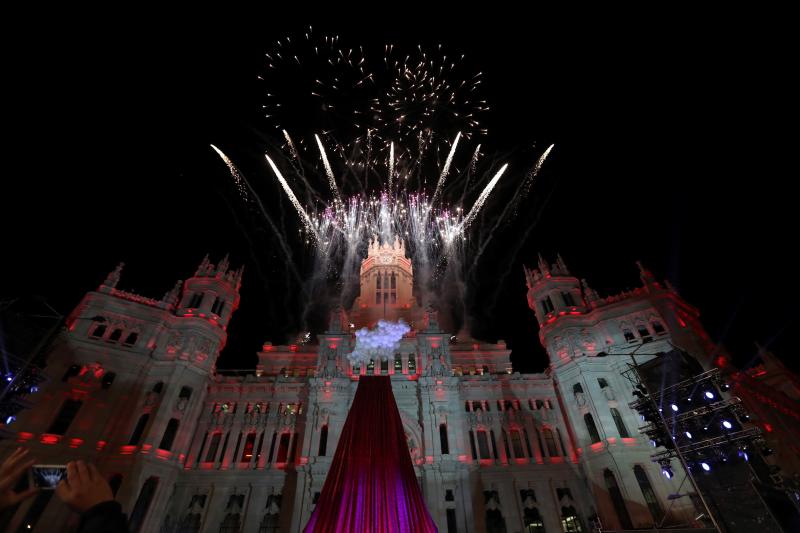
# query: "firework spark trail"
328,170
531,176
510,206
239,179
482,198
445,169
309,225
391,165
235,174
292,148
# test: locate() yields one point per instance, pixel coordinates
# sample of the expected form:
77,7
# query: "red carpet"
371,486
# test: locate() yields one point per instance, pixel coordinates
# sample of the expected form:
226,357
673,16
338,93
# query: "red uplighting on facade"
768,428
47,438
74,443
24,436
162,454
556,459
100,445
597,446
293,348
127,450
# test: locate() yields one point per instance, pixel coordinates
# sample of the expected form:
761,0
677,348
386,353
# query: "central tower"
387,286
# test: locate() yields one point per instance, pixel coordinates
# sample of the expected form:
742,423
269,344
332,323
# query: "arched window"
658,327
629,336
131,339
115,335
617,499
98,331
550,441
591,428
169,434
649,494
197,299
602,382
323,441
217,306
139,512
443,439
186,393
623,431
65,417
158,387
577,389
398,363
138,431
412,363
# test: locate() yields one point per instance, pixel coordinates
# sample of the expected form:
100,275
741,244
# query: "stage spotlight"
705,466
674,407
743,455
688,435
709,395
667,471
726,424
725,386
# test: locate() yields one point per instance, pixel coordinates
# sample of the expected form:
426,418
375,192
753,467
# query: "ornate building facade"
133,388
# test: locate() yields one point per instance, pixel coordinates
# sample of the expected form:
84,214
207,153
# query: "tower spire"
204,264
544,268
645,275
113,277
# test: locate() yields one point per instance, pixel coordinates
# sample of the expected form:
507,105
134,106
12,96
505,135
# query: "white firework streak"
302,212
237,177
328,170
292,148
391,164
482,198
474,163
541,159
446,169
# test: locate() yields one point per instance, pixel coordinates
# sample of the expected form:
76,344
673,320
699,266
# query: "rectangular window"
568,300
283,448
398,363
516,443
65,416
394,297
483,444
211,456
384,366
249,444
452,526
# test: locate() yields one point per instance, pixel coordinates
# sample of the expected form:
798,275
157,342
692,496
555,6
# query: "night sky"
669,149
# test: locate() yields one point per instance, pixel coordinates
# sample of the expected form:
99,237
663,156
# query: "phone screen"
46,477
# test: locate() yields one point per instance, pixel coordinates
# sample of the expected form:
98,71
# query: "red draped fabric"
371,486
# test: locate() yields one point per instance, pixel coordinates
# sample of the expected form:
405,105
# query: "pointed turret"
647,277
172,296
552,291
203,268
112,279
